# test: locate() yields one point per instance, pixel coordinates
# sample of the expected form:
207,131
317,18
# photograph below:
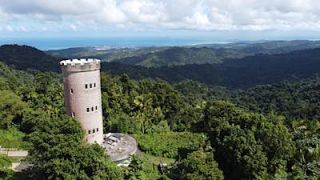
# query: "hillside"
26,57
215,54
105,54
235,73
240,73
174,56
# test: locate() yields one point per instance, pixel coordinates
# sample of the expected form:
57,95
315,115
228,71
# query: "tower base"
119,147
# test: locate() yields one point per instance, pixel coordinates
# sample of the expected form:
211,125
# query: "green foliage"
45,94
307,156
142,169
156,160
12,79
5,164
247,145
178,56
58,153
141,107
26,57
195,92
11,108
197,165
168,144
295,100
12,138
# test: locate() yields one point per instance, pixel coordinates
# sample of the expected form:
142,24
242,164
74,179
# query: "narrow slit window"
91,108
72,114
86,86
88,109
94,84
96,107
97,129
93,131
89,131
71,91
90,85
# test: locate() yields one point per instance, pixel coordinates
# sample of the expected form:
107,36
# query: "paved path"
14,153
20,166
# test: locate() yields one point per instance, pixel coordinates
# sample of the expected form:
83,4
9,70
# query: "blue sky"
213,19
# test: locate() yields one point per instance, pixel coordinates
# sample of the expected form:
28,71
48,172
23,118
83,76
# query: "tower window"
88,109
90,85
72,114
71,91
97,129
96,107
86,86
89,131
94,84
91,108
93,131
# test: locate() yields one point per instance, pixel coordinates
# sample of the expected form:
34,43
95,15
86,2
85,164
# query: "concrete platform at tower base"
119,146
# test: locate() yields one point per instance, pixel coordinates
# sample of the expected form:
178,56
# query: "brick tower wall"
82,92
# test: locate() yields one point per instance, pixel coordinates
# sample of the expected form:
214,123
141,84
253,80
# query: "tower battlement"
78,65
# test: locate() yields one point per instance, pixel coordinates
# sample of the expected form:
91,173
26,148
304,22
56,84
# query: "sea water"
51,43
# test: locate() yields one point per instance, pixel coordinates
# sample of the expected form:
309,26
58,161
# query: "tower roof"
78,61
79,65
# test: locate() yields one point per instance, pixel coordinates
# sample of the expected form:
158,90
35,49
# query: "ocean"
52,43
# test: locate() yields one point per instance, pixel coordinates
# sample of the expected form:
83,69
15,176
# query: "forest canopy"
199,131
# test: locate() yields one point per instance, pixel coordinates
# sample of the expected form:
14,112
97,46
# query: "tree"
11,108
248,145
5,164
307,155
58,152
197,165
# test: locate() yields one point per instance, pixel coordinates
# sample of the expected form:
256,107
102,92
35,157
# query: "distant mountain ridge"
234,73
239,73
177,56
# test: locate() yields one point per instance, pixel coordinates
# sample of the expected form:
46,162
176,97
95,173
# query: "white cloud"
209,15
142,11
9,28
73,27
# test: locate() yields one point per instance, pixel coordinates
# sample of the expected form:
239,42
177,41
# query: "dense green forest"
200,130
241,73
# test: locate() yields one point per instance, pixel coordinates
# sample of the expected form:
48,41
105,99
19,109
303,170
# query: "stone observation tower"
83,96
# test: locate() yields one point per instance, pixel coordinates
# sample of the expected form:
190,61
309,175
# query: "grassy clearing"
154,159
168,144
